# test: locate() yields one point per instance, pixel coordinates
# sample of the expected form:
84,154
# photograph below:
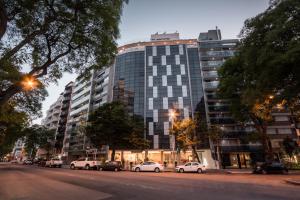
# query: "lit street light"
29,83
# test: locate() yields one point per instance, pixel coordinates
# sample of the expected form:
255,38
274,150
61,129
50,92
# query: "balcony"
211,75
211,85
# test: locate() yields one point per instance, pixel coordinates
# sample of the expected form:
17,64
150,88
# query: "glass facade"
159,78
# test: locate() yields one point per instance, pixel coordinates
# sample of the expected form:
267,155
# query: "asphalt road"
19,182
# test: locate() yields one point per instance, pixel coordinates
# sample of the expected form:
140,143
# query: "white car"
54,162
148,166
191,167
85,163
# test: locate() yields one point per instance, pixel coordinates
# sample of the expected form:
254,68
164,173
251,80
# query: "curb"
293,182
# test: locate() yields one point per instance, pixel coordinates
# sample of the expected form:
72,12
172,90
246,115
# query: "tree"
185,135
111,125
51,37
36,137
290,146
265,70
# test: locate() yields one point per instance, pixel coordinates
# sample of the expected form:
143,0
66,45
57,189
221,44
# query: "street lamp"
29,83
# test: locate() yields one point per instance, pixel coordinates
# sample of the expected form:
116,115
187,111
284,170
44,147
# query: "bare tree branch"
3,19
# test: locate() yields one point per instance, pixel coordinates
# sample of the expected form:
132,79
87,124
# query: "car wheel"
87,167
285,171
116,169
50,166
59,166
137,169
181,170
199,171
72,166
156,170
263,171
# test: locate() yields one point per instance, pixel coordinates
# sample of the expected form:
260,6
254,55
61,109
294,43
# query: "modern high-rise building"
87,96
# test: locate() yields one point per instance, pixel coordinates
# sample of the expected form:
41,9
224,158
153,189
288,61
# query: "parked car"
14,162
148,166
28,162
85,163
191,167
42,162
111,166
54,162
270,168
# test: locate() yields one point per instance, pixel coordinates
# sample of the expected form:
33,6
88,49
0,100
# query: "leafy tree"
290,146
185,135
36,137
51,37
265,70
111,125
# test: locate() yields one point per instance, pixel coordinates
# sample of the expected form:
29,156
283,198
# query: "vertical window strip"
168,52
166,128
155,142
164,80
186,113
177,59
155,95
155,115
170,91
182,69
154,70
150,61
151,128
165,103
154,51
150,81
179,82
169,71
180,102
181,49
150,103
184,91
163,60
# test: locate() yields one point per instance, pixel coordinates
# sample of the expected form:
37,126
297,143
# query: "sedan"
191,167
148,166
270,167
111,166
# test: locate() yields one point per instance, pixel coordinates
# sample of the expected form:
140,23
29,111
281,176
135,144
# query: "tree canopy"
264,74
111,125
39,40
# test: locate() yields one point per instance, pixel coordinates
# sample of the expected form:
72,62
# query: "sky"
141,18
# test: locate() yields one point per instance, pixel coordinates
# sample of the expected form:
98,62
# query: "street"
33,183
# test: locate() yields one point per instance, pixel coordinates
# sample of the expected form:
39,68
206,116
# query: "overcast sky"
141,18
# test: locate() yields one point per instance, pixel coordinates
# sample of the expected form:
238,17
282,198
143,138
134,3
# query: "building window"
151,128
184,91
271,131
284,131
182,69
186,113
164,80
150,81
155,115
163,60
150,103
281,118
150,61
180,102
166,128
168,50
165,103
155,142
155,95
170,91
181,49
154,70
177,59
179,82
154,52
169,71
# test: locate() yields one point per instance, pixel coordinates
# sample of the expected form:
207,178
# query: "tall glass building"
161,75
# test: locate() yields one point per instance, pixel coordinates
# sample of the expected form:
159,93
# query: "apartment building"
87,96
